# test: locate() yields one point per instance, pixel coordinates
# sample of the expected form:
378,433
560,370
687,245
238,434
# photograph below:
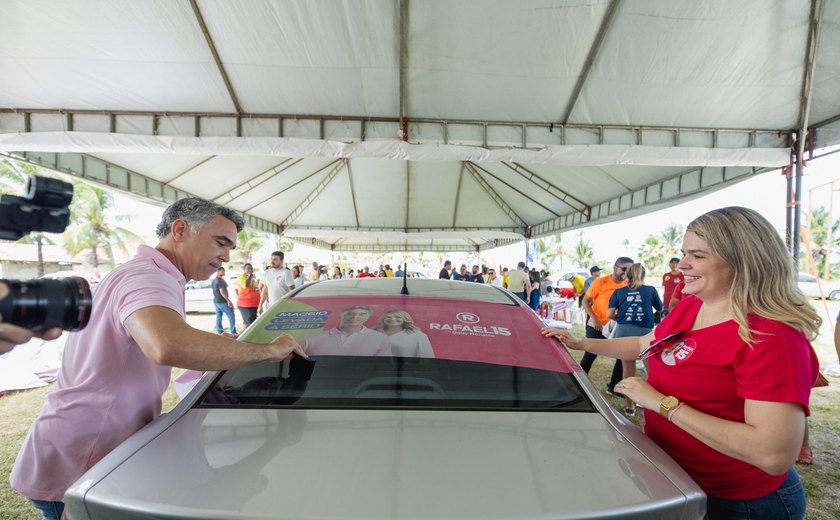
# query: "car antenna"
404,289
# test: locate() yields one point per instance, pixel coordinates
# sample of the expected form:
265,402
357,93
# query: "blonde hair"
636,276
763,280
408,323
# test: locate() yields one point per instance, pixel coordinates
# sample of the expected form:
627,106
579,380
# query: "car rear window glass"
404,352
409,383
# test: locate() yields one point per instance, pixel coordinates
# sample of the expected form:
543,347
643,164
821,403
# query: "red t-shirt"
669,283
713,370
678,294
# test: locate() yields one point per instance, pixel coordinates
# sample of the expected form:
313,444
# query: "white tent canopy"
418,124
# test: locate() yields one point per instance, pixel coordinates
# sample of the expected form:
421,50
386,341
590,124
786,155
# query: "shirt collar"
160,260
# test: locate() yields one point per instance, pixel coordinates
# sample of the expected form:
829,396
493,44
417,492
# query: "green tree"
671,240
248,241
816,239
89,228
583,252
550,249
651,253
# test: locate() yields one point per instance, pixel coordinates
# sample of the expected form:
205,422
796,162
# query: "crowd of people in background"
252,292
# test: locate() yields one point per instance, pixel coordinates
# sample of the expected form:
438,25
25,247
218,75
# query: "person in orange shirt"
247,294
595,303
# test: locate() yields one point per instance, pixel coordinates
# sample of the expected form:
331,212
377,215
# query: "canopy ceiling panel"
433,186
497,67
418,124
119,55
349,71
694,51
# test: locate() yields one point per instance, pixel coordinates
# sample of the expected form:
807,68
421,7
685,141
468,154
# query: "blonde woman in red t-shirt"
731,367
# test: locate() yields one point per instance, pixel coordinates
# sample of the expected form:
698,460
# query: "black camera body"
46,303
44,208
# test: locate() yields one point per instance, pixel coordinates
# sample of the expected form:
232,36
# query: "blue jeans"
227,310
50,510
787,502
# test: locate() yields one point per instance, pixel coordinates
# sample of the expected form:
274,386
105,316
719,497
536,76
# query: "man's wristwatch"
667,404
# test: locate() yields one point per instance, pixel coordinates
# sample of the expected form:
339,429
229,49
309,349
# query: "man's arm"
224,294
587,307
166,339
288,281
263,296
673,303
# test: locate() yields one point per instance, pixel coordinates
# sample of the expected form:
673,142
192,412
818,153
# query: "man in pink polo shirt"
115,371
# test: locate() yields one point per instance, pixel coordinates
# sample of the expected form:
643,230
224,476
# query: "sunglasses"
662,345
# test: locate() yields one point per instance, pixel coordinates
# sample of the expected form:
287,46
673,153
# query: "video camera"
42,304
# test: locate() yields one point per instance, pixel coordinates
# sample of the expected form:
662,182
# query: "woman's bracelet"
672,412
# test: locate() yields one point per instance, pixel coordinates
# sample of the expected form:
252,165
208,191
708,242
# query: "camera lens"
43,304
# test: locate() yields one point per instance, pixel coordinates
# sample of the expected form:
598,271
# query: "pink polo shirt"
107,388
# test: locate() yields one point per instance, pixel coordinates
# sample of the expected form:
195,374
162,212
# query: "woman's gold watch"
667,404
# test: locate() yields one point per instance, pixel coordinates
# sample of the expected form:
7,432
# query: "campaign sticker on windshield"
417,327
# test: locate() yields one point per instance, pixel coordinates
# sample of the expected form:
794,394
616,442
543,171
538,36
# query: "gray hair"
195,212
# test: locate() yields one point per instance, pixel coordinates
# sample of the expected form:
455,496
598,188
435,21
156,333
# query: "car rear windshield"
404,352
405,383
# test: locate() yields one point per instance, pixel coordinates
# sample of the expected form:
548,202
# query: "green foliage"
816,238
671,241
549,250
651,253
656,250
89,229
583,252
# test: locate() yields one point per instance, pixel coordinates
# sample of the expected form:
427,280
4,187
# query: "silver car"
445,402
813,287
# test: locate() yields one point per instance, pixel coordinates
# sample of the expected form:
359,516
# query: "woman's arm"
612,312
627,348
769,438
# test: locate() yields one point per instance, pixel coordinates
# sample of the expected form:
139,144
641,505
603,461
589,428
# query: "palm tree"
651,253
819,244
247,241
670,240
583,253
89,229
549,250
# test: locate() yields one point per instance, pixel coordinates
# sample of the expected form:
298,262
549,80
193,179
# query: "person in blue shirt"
632,308
462,274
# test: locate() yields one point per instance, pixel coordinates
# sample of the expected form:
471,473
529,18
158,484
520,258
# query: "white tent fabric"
418,124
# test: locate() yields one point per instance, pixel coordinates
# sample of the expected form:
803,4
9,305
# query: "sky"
764,193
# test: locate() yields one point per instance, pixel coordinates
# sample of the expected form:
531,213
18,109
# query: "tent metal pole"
797,211
221,68
788,208
803,133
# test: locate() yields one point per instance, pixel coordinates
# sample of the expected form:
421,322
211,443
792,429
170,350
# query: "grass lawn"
822,479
